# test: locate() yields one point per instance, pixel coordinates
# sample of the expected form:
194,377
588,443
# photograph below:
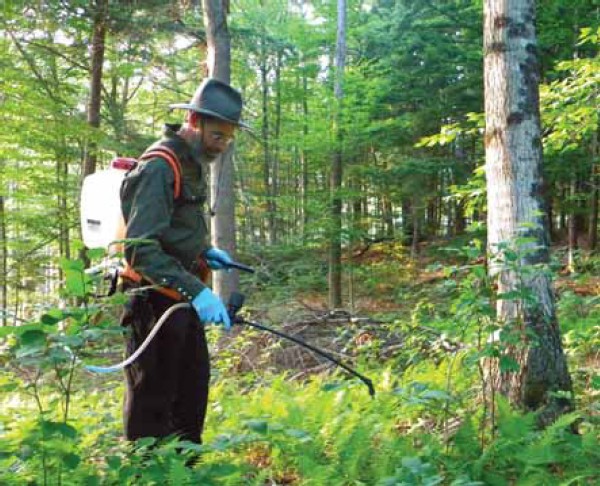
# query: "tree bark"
459,218
388,216
335,249
303,155
275,166
514,182
594,181
407,221
414,247
222,171
572,225
4,259
267,176
100,14
62,175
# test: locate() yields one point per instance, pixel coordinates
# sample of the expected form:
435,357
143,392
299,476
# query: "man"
167,247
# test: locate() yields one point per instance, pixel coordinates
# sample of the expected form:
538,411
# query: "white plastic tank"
101,217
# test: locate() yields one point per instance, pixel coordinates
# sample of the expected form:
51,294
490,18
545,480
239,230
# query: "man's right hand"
210,308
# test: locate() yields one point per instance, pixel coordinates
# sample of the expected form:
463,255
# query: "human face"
216,136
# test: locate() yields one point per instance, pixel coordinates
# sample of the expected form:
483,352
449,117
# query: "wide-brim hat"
216,99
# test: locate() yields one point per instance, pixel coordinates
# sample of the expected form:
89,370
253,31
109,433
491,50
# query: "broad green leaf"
51,428
18,330
76,266
508,364
33,338
53,316
71,460
260,426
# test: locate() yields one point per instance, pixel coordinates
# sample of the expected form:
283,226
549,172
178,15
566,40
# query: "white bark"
514,184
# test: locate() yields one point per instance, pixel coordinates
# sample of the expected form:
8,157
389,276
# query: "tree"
221,176
99,15
513,153
335,249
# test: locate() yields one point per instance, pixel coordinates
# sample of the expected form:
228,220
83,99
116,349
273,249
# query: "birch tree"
517,229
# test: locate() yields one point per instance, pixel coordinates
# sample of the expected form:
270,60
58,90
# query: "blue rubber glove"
210,308
217,259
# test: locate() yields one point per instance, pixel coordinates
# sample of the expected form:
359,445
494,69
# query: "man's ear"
193,119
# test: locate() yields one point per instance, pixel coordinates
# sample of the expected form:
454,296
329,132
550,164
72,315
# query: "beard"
207,157
197,147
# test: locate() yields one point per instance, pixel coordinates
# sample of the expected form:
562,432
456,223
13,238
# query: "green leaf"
145,442
114,462
9,387
33,339
51,428
96,253
75,284
53,316
260,426
331,386
510,295
436,395
76,266
71,460
413,464
301,435
18,330
508,364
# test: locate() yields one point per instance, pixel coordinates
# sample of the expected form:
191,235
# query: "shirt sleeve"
147,201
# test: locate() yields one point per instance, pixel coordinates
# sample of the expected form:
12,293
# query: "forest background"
414,301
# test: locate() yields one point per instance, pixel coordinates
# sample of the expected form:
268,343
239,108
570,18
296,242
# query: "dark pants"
167,386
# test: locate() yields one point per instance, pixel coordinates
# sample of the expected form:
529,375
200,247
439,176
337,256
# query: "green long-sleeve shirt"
172,234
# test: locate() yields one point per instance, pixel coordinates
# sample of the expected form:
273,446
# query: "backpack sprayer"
102,224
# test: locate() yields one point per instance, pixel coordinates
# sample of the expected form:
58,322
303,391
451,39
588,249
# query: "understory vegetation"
280,415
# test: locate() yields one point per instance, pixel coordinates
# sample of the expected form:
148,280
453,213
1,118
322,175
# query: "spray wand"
235,304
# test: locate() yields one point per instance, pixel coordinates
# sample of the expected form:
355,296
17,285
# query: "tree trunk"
276,141
430,228
4,259
407,221
100,14
550,215
572,225
388,216
414,247
459,217
514,182
594,181
99,9
62,175
335,249
222,171
268,220
303,156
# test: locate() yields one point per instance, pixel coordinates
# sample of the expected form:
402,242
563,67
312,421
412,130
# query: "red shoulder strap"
168,155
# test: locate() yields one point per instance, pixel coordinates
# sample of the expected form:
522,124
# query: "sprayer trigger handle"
236,301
